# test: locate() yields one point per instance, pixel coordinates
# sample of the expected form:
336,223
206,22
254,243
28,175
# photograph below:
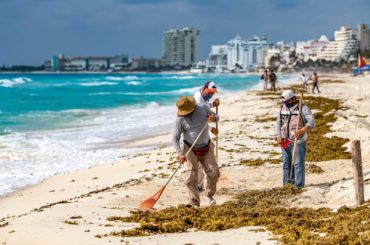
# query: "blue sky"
31,31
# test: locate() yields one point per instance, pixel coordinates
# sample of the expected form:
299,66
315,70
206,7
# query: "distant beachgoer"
304,79
315,79
191,118
265,78
273,80
286,125
203,96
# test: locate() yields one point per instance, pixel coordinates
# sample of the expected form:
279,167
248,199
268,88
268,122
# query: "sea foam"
94,84
112,78
183,91
135,83
9,83
95,137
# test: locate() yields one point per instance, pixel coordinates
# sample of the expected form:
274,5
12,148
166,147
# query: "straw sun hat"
185,105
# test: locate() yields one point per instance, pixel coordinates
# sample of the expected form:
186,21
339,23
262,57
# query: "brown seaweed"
267,208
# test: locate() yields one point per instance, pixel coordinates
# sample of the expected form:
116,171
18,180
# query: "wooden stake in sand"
357,171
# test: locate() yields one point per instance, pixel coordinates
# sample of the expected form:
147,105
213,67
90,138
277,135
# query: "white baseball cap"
287,95
211,86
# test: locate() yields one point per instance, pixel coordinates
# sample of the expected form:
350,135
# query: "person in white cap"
286,124
205,93
203,96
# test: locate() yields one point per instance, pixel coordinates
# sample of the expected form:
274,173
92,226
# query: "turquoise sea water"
47,101
53,123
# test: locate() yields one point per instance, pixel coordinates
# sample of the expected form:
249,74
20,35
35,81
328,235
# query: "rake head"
151,201
222,177
223,181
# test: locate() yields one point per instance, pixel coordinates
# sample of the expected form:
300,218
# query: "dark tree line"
21,68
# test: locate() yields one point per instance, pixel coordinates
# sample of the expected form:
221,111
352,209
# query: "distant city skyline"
34,30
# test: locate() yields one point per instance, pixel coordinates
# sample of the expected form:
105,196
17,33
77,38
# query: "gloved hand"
298,134
211,118
216,102
182,158
214,131
280,140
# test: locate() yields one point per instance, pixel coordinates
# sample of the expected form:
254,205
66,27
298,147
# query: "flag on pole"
361,61
362,66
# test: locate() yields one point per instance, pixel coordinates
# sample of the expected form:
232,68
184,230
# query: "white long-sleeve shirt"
200,100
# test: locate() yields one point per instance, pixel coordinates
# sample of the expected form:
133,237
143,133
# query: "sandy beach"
73,208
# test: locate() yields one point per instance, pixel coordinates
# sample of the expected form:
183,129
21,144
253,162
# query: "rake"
151,201
291,179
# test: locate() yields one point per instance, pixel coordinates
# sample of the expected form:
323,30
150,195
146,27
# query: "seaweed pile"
265,119
319,146
259,208
314,169
258,162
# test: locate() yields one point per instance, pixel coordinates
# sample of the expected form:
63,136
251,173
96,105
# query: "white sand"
238,130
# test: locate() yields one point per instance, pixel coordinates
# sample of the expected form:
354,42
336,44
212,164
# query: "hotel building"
312,49
58,62
217,58
343,46
78,64
239,54
362,34
181,47
141,63
255,50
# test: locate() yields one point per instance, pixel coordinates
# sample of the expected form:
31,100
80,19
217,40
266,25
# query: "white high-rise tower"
181,47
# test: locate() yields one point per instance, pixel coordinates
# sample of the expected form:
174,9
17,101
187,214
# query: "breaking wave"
94,84
9,83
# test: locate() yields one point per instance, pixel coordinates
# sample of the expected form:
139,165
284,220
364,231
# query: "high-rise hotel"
181,46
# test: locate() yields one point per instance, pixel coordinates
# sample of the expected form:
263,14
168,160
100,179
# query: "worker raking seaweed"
292,124
191,118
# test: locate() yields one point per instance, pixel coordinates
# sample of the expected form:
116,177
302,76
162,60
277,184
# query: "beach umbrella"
151,201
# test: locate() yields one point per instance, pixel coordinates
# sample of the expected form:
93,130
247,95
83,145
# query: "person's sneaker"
211,201
193,203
